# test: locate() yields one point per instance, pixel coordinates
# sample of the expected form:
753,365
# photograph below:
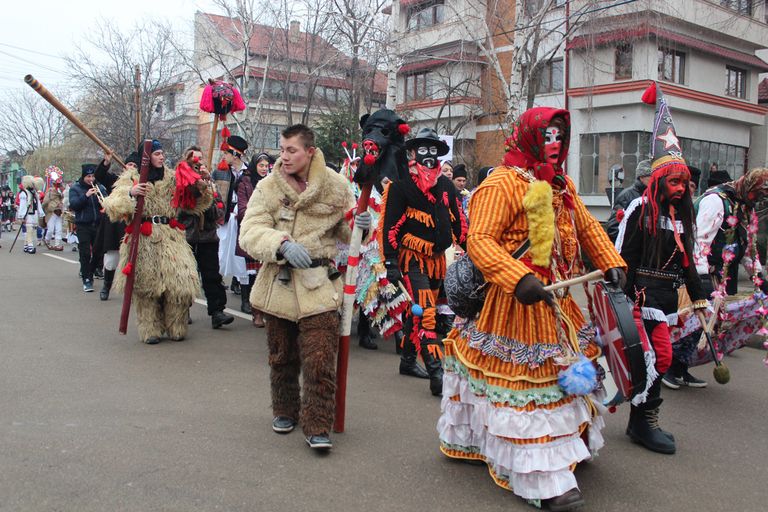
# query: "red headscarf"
525,147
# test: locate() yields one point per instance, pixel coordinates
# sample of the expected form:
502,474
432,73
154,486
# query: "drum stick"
592,276
405,292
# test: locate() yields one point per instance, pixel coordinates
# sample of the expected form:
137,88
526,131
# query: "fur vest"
316,219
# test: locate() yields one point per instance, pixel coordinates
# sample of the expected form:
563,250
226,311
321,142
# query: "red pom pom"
354,145
619,215
225,132
129,228
343,143
222,165
649,96
128,269
224,146
403,128
146,228
369,159
219,205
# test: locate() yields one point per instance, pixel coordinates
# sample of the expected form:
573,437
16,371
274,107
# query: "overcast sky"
35,35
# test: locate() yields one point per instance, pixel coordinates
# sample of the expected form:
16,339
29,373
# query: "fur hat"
718,178
428,136
133,158
643,169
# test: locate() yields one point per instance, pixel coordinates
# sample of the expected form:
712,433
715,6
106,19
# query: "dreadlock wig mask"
753,186
539,143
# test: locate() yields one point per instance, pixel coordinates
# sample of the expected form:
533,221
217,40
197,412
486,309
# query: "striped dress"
501,400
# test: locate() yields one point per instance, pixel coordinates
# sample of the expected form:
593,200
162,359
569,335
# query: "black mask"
426,156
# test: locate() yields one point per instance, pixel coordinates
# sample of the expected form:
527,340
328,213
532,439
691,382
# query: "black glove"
617,277
394,275
530,290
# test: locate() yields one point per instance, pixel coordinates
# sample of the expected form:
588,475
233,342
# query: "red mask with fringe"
526,147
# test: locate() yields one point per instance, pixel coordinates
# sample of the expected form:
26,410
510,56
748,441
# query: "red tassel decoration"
146,228
222,165
649,96
127,269
225,132
129,228
219,205
403,129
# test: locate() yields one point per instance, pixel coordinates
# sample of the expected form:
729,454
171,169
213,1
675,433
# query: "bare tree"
27,122
103,69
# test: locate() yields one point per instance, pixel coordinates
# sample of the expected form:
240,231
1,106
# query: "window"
426,14
550,77
171,101
418,86
599,151
623,62
740,6
735,82
533,7
702,154
671,65
254,87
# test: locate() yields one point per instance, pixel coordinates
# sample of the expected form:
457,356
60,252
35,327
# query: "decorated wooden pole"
50,98
137,103
219,98
347,310
130,268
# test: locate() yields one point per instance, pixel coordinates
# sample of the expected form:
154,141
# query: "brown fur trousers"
308,347
156,316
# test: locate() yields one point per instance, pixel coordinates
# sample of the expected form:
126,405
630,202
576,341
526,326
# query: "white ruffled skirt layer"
475,428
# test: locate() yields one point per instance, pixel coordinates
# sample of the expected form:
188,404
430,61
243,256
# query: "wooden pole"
135,235
212,145
592,276
137,103
50,98
347,309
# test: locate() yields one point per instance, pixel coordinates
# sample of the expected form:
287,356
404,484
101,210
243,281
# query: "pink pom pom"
206,100
238,104
354,145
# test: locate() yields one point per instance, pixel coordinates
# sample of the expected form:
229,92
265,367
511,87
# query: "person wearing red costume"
656,238
421,218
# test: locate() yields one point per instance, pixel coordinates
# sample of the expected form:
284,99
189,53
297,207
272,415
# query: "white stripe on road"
199,301
74,262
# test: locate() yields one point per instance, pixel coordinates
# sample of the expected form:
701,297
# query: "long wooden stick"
347,308
137,103
135,235
212,145
592,276
50,98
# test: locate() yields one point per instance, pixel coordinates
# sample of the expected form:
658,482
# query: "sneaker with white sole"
671,381
319,442
87,286
283,424
692,382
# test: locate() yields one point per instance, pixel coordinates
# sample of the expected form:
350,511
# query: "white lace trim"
650,376
631,207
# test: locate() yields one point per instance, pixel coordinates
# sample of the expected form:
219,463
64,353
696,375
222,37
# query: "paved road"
95,421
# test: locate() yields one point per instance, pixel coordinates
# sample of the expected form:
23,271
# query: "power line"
33,51
31,62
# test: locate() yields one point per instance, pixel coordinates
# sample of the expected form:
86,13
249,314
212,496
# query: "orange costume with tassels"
501,400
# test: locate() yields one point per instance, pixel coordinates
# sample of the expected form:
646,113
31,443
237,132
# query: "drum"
624,345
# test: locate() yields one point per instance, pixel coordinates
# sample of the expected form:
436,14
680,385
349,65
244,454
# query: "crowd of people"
505,372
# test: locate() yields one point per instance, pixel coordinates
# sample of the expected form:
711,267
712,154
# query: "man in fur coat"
166,272
294,219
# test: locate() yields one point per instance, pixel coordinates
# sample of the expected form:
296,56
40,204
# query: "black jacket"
87,209
413,222
625,197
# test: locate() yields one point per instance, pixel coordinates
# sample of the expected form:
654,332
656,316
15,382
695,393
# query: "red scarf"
424,178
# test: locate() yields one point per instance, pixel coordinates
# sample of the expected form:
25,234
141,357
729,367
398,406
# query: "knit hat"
460,171
643,169
88,169
483,173
133,158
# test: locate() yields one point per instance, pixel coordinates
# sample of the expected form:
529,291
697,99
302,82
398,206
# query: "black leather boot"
408,364
364,334
434,368
219,318
109,275
399,342
644,428
245,299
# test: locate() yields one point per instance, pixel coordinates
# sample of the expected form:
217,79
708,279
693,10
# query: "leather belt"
157,219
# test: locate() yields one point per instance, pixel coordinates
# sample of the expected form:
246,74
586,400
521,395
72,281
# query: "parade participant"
723,217
202,238
626,196
420,219
656,238
110,234
166,280
294,220
501,401
54,208
255,171
29,211
84,201
225,177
